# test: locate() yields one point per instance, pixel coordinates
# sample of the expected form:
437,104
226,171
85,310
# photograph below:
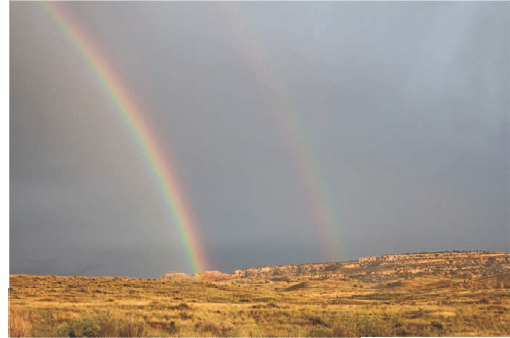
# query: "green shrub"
108,327
104,325
84,326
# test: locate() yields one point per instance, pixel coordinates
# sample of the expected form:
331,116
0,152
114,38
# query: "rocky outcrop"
177,276
452,264
452,257
305,270
211,276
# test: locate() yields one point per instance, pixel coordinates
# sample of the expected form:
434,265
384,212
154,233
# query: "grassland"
327,306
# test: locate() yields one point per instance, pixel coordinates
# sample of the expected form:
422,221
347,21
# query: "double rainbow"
130,113
161,165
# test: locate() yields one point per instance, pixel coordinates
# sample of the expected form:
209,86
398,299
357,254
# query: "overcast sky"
403,106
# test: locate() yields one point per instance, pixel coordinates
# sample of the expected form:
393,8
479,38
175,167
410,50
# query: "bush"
108,327
185,315
437,325
172,329
84,326
316,321
182,306
104,325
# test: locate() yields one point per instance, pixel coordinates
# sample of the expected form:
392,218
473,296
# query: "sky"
298,132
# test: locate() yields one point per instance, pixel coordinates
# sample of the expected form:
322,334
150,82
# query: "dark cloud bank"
405,106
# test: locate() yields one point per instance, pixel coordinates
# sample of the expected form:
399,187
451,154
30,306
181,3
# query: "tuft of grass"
133,326
320,332
19,323
213,327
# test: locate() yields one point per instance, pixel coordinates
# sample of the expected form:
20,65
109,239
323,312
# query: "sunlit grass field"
115,306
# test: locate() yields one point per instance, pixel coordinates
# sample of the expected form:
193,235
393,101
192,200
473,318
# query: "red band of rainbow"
158,160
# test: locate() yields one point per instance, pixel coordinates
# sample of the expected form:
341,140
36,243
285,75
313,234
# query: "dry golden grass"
19,323
113,306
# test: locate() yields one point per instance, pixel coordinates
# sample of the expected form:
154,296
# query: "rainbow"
309,168
158,161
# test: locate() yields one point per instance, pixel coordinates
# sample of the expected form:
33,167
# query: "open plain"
426,294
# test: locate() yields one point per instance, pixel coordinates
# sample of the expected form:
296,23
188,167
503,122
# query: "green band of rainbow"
324,213
132,116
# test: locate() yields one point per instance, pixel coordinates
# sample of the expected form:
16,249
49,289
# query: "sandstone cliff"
453,264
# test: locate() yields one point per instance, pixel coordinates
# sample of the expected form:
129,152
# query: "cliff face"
457,264
453,264
294,269
482,257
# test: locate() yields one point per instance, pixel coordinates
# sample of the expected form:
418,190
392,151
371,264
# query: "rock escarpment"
452,264
457,264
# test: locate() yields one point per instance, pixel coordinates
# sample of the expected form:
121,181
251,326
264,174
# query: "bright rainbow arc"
298,141
132,116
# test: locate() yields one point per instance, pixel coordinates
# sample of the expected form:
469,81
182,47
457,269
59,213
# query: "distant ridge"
452,264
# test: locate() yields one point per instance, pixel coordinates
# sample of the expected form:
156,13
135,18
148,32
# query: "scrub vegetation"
318,307
80,306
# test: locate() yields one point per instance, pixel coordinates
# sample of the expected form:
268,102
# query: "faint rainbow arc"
296,137
132,116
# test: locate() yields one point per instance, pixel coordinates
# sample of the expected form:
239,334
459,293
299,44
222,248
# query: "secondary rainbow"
299,143
132,116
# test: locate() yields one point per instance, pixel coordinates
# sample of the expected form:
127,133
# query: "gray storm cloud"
404,105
